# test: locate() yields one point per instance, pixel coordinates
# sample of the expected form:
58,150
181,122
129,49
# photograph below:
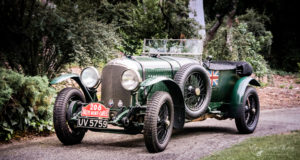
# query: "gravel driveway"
196,140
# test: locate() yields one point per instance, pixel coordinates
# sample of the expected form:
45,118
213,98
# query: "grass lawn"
281,147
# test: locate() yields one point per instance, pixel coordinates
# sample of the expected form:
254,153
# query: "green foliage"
147,19
93,41
40,38
25,103
263,84
250,41
282,72
282,86
285,48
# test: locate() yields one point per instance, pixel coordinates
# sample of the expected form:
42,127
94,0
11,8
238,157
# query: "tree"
284,52
39,37
249,39
137,20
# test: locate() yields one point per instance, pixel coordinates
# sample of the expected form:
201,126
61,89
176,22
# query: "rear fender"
87,93
177,97
238,93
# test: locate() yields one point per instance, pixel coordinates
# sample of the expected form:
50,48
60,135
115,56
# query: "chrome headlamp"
90,77
130,80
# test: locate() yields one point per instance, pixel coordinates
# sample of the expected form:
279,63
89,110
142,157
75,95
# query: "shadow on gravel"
196,130
124,141
138,142
111,142
178,134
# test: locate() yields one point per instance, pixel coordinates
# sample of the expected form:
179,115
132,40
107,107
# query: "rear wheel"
248,114
194,83
159,120
64,129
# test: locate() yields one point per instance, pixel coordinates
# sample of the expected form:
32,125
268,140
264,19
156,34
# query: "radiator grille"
111,86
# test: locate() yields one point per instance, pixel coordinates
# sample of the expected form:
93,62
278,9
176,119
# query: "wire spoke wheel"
163,123
159,120
248,115
194,83
250,110
194,91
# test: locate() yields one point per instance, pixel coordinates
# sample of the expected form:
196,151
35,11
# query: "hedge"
26,103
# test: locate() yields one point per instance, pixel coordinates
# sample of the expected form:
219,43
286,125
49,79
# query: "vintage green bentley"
165,88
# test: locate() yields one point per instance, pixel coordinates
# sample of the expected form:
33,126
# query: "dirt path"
196,140
284,91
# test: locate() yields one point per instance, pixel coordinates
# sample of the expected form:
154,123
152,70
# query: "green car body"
127,109
158,73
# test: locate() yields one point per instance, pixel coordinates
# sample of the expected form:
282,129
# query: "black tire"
67,134
158,123
248,114
199,103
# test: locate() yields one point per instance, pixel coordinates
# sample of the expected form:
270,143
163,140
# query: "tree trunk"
219,20
229,25
213,30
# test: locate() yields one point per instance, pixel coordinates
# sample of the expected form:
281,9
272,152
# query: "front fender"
87,93
63,78
176,94
238,93
154,80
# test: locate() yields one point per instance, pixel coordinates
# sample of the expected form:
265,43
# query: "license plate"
92,123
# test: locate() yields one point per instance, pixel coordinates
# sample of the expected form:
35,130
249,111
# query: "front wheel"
64,129
248,114
159,120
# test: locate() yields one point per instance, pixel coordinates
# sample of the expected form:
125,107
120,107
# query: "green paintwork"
163,66
222,91
150,86
213,106
90,94
154,80
238,92
63,78
159,68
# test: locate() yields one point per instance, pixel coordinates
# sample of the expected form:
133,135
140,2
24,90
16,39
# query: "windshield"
173,46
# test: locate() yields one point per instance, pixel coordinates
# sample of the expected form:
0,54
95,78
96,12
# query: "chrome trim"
125,62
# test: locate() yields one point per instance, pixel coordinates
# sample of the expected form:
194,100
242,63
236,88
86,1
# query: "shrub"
250,41
25,103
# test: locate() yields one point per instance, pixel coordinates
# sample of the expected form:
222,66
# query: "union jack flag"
214,77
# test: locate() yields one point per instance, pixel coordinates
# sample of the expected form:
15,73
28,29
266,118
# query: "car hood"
153,66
